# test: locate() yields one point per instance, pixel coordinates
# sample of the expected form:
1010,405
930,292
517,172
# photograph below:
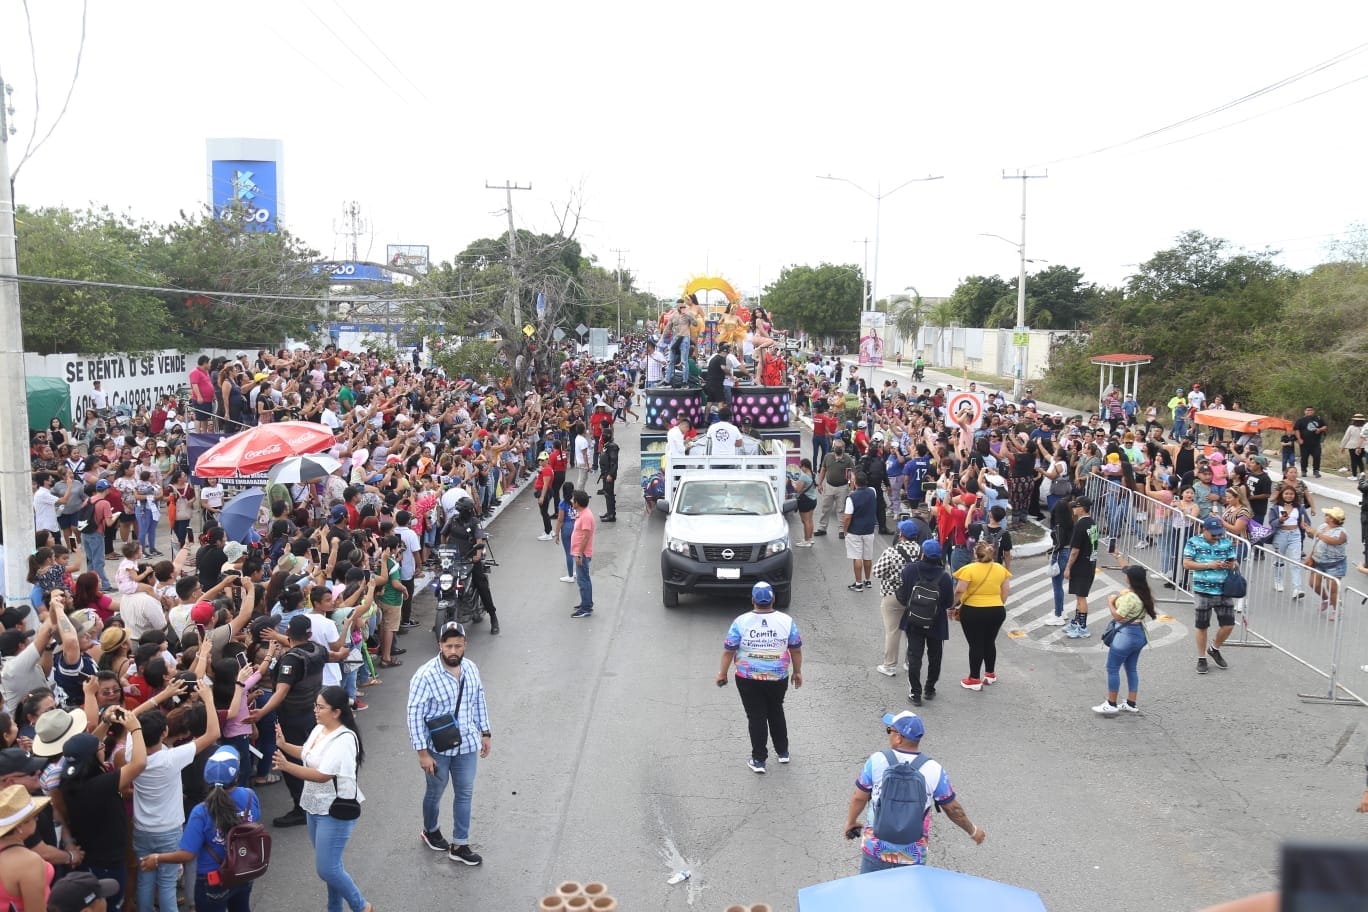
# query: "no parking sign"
965,408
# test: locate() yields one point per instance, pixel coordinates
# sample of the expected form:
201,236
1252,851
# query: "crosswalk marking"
1033,591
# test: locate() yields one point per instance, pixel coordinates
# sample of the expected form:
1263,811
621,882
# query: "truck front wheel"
782,599
669,596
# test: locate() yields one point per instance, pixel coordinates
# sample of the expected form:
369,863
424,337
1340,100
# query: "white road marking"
1031,604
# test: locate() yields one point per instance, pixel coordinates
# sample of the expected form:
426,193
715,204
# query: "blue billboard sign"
245,191
347,273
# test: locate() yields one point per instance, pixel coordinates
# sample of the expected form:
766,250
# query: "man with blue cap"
899,785
768,650
1210,557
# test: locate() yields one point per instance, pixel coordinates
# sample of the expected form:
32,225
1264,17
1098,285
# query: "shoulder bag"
345,808
444,730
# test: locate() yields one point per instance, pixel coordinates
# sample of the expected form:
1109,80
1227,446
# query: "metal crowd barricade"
1316,620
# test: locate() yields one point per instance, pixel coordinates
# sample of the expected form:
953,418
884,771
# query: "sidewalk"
1337,487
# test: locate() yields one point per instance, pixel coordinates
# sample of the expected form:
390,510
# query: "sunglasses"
454,626
888,730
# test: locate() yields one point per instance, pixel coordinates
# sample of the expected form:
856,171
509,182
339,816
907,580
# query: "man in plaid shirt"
888,571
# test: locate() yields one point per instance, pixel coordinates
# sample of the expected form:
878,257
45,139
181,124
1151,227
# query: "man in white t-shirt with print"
723,436
905,731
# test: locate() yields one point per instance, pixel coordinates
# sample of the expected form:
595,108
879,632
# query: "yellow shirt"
985,584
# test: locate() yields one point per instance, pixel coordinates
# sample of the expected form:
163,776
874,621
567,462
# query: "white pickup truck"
726,527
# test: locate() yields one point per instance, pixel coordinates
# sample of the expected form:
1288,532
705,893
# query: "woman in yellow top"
981,594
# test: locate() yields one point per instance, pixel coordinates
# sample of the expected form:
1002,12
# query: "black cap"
79,890
11,641
1083,501
15,760
13,617
299,627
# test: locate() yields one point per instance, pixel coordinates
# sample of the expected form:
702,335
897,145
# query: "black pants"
297,727
1312,455
1363,527
919,639
543,506
764,704
406,613
981,626
610,495
481,577
1355,462
881,504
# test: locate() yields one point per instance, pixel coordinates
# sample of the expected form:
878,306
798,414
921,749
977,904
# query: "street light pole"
1022,340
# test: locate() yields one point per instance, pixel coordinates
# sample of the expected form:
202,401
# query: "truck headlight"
777,546
680,547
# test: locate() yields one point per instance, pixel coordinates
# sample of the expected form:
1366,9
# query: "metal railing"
1312,617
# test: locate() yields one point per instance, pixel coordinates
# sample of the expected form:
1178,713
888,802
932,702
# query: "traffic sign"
581,329
529,331
965,408
1021,339
558,334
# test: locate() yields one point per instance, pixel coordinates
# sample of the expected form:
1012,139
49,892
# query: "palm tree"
907,320
942,315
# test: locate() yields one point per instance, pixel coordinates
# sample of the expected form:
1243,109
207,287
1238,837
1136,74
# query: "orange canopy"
1241,422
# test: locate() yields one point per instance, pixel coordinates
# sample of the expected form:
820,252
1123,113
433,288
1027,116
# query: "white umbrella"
301,469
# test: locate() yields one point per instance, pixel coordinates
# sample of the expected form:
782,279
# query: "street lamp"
878,197
1023,351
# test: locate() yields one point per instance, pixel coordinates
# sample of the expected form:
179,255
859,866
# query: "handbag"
1113,628
1235,585
445,730
344,808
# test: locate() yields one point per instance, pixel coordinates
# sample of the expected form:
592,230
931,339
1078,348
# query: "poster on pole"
872,324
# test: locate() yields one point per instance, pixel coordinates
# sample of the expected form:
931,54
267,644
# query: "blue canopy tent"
917,887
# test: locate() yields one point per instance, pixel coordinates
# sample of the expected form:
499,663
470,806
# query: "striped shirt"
433,691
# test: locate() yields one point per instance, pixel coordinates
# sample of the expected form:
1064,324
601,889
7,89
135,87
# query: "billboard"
872,324
346,273
412,256
247,191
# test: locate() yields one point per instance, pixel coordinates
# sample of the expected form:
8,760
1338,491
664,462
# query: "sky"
692,135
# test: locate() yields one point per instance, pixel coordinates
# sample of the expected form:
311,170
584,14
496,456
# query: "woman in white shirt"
328,762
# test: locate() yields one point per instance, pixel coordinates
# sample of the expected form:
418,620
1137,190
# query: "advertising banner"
246,191
871,338
413,256
128,380
347,272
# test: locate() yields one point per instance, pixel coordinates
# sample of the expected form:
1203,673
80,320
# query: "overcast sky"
696,130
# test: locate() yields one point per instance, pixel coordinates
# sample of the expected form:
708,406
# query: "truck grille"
736,554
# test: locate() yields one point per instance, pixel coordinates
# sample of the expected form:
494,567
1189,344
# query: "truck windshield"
746,498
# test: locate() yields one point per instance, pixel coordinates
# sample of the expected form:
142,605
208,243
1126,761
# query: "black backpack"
85,517
920,599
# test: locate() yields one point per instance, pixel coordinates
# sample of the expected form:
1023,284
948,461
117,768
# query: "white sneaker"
1105,709
567,579
544,537
803,544
1126,707
888,670
1055,620
1277,587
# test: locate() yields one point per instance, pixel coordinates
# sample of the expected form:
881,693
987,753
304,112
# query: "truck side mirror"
663,505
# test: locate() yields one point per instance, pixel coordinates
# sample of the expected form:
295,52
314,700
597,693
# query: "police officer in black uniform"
874,465
463,533
608,472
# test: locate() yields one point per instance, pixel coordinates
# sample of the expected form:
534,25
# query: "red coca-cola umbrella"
260,448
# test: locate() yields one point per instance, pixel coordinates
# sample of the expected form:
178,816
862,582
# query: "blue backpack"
900,815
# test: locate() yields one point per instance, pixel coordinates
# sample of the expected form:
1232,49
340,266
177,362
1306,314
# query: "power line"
367,36
223,296
352,51
71,89
285,41
1250,96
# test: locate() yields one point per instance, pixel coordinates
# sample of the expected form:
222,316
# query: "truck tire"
782,599
670,597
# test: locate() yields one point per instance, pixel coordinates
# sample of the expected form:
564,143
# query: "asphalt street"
616,758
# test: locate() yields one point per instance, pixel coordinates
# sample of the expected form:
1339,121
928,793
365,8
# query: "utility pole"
1023,344
514,292
619,253
16,487
353,226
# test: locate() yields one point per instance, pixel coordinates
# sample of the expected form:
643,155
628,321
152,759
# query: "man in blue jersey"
768,650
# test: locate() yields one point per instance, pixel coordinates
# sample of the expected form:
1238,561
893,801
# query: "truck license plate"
728,572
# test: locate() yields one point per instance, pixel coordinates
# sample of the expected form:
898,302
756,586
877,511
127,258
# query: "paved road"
616,758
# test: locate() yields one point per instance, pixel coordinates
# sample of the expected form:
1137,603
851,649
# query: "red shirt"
597,421
158,422
824,424
202,385
558,461
353,517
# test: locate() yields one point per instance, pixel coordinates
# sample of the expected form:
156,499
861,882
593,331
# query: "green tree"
474,358
87,246
822,301
942,315
977,298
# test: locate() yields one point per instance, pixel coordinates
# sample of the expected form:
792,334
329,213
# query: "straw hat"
16,806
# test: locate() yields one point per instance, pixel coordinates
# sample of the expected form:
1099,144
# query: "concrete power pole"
508,187
1023,345
618,271
16,487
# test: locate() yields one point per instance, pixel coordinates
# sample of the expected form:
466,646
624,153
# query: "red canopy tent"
260,448
1241,422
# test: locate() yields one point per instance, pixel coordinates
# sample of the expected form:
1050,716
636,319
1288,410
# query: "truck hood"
726,530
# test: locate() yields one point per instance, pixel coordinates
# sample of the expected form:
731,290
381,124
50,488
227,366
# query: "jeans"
460,770
222,899
1061,559
1125,650
161,882
919,639
586,585
147,527
764,705
981,626
329,837
266,739
821,445
239,743
869,864
181,530
678,371
93,544
1288,544
567,529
